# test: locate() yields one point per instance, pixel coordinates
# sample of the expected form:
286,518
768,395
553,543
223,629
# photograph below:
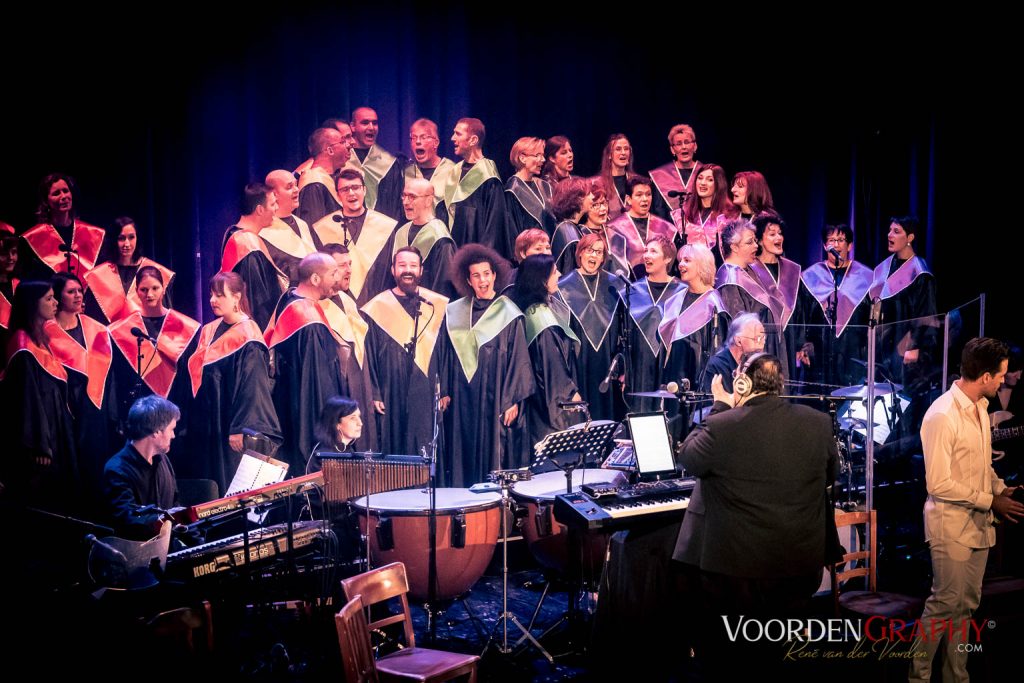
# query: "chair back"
378,586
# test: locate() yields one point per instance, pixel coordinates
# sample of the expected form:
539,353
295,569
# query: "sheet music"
256,470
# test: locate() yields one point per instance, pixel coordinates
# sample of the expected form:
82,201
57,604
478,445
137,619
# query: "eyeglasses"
758,338
421,138
591,251
836,240
412,197
350,189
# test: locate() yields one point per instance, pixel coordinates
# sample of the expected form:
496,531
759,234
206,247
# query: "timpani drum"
467,533
548,539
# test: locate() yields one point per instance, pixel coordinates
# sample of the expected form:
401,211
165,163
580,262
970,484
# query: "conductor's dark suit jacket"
760,508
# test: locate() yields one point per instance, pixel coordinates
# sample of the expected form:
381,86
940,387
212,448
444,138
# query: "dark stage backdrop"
166,120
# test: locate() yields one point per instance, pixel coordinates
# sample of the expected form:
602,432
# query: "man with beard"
245,253
343,315
401,352
366,233
964,498
427,233
427,164
826,319
305,358
317,194
288,238
487,363
674,180
474,196
380,168
629,233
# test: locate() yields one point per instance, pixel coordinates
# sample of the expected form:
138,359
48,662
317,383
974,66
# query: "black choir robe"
40,255
563,245
318,195
782,282
86,352
487,362
476,208
437,248
834,351
164,369
648,352
111,294
383,174
369,238
626,242
230,374
246,253
528,205
288,240
438,178
907,291
595,305
39,466
742,292
307,372
694,327
553,347
405,381
909,321
669,178
6,297
350,328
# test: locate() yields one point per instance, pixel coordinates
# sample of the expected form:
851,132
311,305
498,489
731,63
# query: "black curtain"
167,120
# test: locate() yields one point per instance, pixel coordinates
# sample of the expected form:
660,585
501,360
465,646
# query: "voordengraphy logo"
855,638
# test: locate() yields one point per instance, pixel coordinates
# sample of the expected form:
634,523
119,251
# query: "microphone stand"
833,323
68,251
432,513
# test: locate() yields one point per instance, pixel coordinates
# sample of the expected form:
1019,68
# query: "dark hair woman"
112,295
230,375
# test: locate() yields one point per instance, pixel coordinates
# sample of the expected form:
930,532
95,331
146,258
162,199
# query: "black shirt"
130,483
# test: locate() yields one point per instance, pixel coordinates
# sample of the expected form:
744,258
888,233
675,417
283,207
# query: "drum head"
548,485
417,501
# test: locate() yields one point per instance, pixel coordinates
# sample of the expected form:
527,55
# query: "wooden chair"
871,601
186,630
354,640
411,663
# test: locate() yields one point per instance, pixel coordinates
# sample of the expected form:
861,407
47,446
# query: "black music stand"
582,442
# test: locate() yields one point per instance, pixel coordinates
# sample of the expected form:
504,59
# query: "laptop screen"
652,444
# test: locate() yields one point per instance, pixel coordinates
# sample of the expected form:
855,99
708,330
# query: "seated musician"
139,486
340,426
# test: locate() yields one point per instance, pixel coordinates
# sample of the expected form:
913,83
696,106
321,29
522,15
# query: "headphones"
742,384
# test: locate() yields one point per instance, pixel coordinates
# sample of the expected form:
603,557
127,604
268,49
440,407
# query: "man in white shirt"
964,495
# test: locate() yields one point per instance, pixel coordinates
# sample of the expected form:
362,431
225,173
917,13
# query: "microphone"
573,406
416,295
65,249
677,193
835,254
621,273
678,388
139,333
616,362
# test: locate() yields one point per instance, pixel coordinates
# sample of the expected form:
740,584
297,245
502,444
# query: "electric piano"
624,507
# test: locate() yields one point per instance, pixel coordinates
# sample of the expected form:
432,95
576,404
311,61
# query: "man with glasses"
346,137
828,346
381,169
366,233
317,195
427,164
428,234
746,336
